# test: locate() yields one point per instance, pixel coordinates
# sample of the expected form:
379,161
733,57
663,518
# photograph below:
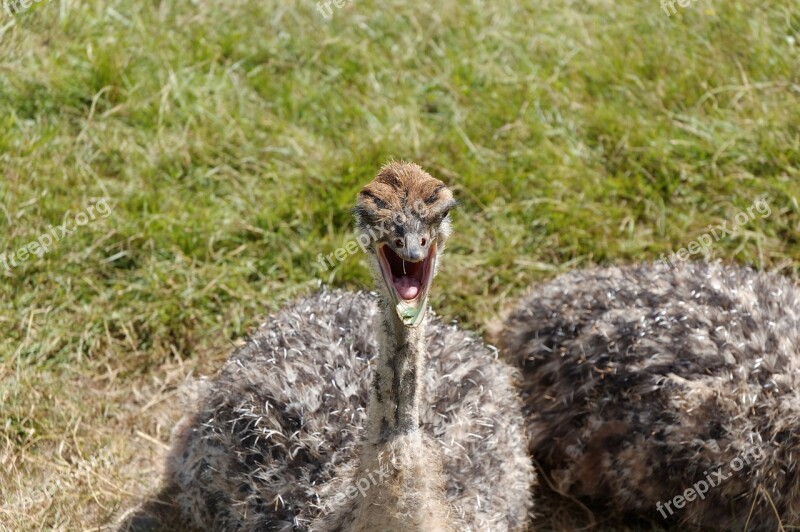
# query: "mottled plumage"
283,437
640,382
403,189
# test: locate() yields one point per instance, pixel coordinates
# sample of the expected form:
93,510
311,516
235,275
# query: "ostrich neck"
408,491
395,393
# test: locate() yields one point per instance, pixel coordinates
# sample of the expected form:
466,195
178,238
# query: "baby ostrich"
670,395
283,438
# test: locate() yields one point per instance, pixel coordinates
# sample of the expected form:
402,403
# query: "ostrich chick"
355,411
666,395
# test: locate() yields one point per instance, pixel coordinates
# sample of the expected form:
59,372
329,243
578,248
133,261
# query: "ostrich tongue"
407,287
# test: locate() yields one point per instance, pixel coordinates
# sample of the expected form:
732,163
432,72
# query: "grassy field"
228,140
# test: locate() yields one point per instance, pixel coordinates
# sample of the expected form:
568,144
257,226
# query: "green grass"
230,139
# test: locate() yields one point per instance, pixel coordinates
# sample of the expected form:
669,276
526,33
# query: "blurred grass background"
230,139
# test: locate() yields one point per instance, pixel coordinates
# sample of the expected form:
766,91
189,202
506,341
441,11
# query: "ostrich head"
403,214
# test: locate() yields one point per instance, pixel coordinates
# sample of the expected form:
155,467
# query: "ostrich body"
641,383
356,411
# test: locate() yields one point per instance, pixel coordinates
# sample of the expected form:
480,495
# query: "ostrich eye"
439,218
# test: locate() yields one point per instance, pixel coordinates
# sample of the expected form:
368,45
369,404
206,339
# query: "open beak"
408,282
